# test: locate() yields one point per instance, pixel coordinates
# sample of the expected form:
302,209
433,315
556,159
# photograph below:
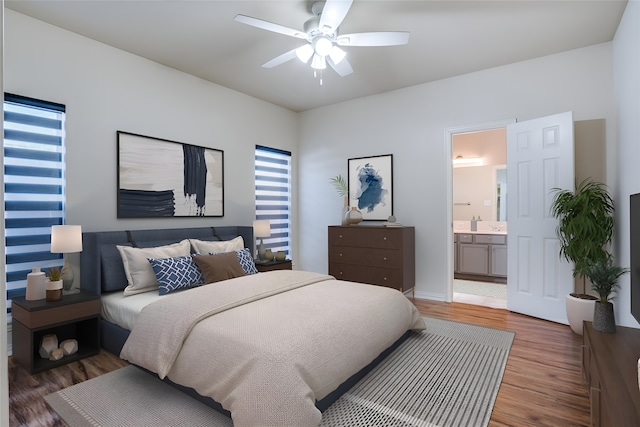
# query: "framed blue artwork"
371,186
162,178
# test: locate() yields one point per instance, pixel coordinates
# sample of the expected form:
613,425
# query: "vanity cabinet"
480,256
376,255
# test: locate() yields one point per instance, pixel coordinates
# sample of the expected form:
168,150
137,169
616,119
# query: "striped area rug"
448,375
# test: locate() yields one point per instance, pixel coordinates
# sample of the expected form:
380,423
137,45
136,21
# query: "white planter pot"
579,310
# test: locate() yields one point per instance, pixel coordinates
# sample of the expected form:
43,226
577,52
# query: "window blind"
273,195
34,186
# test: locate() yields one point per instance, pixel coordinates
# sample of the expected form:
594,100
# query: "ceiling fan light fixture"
323,46
318,62
304,53
337,55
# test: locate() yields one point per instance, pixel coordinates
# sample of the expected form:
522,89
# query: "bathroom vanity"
481,254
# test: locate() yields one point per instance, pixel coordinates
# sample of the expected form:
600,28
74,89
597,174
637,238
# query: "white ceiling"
448,38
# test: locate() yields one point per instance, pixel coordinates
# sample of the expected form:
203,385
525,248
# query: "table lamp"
66,239
261,228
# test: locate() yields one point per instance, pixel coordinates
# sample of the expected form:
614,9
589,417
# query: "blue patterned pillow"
176,273
246,261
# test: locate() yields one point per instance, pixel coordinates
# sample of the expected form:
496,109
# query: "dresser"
376,255
610,363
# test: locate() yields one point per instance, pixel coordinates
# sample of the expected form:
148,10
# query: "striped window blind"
34,186
273,195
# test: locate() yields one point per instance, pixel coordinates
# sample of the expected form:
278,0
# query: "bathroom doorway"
478,211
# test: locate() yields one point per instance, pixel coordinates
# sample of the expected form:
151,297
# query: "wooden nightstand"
273,265
75,316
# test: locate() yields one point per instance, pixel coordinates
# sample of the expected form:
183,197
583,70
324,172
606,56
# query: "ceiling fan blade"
333,14
270,26
287,56
343,68
382,38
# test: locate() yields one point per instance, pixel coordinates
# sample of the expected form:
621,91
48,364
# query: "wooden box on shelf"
75,316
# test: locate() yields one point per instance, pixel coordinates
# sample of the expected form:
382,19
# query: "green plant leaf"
585,223
340,185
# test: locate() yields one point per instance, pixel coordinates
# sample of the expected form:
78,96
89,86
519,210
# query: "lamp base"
66,276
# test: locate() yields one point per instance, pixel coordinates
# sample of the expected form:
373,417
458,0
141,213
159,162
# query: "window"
34,185
273,195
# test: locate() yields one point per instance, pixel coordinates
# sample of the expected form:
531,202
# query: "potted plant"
54,284
585,228
342,188
604,275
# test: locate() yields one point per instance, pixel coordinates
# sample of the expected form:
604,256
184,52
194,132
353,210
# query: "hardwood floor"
542,384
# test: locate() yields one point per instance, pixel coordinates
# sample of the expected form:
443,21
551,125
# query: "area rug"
448,375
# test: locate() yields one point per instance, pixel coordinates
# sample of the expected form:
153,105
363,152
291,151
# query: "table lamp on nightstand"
261,229
66,239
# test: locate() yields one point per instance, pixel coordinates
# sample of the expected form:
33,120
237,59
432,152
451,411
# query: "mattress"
124,310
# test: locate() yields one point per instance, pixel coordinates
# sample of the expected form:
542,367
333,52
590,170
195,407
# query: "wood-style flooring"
542,384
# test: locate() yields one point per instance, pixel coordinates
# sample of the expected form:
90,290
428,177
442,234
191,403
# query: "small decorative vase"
268,255
354,216
603,317
345,211
281,256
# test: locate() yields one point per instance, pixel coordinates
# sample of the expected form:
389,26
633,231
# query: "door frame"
448,152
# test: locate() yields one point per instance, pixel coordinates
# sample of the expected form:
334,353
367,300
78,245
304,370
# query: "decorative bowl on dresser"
376,255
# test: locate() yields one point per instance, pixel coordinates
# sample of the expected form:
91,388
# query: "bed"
272,348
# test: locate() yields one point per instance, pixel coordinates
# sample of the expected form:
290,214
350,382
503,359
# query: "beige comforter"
267,346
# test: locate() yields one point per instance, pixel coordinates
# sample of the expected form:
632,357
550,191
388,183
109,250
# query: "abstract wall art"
371,186
162,178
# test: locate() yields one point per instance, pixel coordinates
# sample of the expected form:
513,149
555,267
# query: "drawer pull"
340,255
384,259
340,236
385,279
341,273
384,238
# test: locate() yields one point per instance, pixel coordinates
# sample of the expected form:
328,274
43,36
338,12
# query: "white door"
540,158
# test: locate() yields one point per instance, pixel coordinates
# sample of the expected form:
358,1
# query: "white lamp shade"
66,239
261,228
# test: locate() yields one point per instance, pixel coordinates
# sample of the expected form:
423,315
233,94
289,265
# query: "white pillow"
140,275
217,247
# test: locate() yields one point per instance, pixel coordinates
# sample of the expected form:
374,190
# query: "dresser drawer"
388,277
386,258
366,237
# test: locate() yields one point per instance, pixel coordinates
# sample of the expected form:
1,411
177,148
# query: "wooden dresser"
372,254
609,363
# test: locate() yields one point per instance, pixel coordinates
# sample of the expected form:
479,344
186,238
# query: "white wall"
474,185
106,89
626,62
410,124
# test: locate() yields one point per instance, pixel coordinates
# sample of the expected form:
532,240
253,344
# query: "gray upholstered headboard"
101,268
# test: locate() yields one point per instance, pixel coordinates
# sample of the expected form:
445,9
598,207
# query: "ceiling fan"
323,39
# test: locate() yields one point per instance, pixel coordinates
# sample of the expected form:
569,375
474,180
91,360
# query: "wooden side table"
75,316
274,265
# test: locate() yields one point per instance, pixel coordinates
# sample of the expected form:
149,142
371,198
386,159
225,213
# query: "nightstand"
273,265
75,316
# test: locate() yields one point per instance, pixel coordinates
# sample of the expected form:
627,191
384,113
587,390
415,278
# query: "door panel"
539,158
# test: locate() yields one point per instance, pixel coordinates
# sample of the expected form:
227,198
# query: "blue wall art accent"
162,178
371,186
